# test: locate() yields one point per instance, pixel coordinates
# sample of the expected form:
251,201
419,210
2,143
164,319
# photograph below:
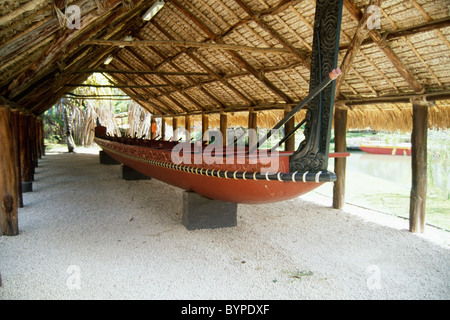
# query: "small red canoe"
385,149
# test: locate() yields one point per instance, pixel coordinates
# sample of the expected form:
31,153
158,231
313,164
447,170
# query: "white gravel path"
87,234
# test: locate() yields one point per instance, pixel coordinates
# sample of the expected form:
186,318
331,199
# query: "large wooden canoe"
233,176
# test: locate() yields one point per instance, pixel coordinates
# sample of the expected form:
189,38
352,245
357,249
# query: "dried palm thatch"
138,121
212,56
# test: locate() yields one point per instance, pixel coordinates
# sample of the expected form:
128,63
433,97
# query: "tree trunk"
68,128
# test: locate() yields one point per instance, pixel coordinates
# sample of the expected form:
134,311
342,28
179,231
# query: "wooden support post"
252,127
417,205
289,144
41,135
224,127
187,126
205,127
25,154
38,137
32,141
8,192
15,130
175,127
340,129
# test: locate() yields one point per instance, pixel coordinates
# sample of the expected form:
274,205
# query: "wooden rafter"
166,80
199,62
156,72
184,44
360,34
356,14
69,40
147,81
238,58
191,79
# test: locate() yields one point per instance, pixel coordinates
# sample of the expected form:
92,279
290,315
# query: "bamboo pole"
417,206
340,129
8,191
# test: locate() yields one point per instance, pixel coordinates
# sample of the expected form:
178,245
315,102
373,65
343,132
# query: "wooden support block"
203,213
128,173
106,158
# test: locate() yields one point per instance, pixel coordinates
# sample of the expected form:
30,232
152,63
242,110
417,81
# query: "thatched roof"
216,56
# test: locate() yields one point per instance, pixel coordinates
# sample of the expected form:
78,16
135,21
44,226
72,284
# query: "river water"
395,169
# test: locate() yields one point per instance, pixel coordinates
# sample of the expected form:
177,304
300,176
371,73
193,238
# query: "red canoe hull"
399,151
212,186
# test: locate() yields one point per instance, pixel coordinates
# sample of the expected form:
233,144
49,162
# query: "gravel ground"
87,234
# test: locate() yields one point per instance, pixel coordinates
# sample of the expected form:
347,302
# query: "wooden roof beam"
289,47
193,81
155,72
238,58
361,33
68,41
143,100
169,82
155,96
205,67
357,15
184,44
